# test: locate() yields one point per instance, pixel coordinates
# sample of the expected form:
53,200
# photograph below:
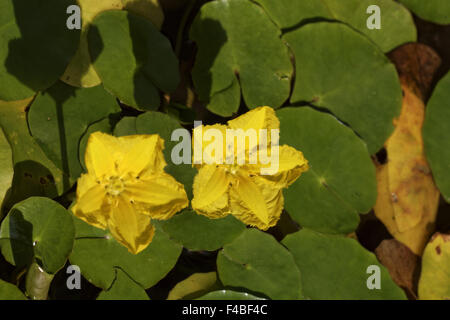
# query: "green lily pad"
341,181
196,232
37,228
437,11
6,167
344,72
229,295
162,124
35,45
34,173
195,285
335,267
239,49
397,24
132,58
9,291
436,131
60,116
123,288
98,254
256,261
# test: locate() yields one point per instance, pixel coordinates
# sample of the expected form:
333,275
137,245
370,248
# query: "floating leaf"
195,284
60,116
196,232
434,283
437,11
80,72
37,228
239,50
335,267
229,295
436,131
256,261
132,58
408,199
341,180
97,254
35,45
397,25
123,288
344,72
164,125
34,173
9,291
6,167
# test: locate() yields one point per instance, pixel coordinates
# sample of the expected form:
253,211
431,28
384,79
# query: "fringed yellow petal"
247,197
159,196
131,229
143,154
291,165
206,140
102,151
210,187
90,201
258,118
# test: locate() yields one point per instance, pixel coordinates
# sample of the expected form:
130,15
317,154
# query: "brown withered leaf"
402,264
416,64
407,196
408,199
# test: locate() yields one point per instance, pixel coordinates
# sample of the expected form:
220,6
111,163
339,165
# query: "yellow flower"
126,187
242,189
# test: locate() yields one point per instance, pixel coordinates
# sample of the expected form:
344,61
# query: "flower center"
114,185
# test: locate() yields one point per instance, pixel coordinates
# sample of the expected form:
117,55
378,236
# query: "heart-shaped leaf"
60,116
436,131
37,228
341,180
35,45
335,267
343,71
132,58
98,254
123,288
239,49
256,261
397,25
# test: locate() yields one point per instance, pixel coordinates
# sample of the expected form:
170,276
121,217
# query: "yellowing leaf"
80,72
407,196
434,280
196,284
